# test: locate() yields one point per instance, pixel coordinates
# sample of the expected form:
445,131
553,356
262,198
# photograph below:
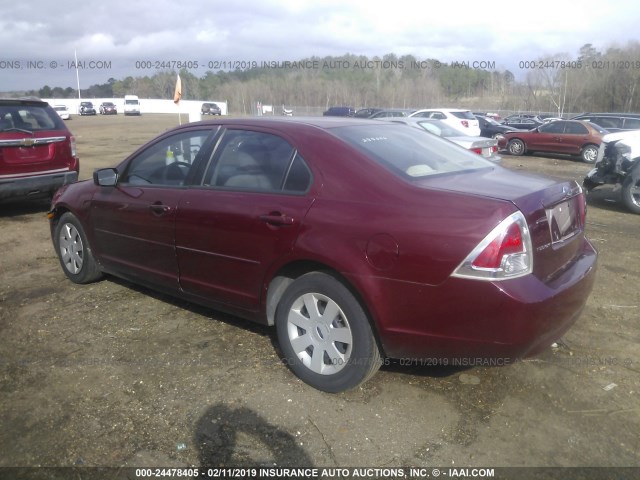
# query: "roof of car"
19,100
443,110
319,122
608,114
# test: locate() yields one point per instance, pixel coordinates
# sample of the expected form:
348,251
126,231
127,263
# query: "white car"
458,118
63,111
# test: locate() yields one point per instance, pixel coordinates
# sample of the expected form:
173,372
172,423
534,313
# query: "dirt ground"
111,374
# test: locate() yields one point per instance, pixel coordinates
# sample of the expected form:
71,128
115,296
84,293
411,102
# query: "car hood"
629,136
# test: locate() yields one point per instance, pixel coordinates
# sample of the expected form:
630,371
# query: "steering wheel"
175,173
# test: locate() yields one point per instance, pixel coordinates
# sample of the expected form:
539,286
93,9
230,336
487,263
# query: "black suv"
37,151
210,109
87,108
612,122
340,112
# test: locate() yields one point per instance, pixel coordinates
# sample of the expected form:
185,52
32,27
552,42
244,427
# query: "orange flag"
178,93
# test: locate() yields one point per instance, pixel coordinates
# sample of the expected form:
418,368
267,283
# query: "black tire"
516,147
74,252
589,153
631,194
333,353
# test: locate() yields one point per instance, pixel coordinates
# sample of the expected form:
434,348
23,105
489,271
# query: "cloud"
123,31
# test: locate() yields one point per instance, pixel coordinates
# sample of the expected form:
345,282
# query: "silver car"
487,147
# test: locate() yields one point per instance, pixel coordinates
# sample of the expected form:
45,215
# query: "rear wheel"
589,153
74,252
631,194
325,335
516,147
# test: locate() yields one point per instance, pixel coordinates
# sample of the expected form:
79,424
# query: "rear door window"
257,161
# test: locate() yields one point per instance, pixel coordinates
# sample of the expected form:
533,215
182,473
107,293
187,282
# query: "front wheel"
631,194
516,147
589,153
74,252
325,334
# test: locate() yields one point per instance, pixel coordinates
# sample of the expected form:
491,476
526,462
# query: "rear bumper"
35,186
474,322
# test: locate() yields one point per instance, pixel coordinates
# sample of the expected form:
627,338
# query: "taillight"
465,123
72,144
74,164
582,208
505,253
477,150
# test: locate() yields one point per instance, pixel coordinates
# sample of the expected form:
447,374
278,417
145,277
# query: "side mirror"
105,177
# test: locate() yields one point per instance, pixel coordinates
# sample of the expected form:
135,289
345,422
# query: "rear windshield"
29,117
466,115
409,152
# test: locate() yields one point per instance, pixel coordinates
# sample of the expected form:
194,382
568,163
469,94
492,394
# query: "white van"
131,105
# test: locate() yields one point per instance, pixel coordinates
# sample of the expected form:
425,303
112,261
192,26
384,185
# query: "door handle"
159,209
279,219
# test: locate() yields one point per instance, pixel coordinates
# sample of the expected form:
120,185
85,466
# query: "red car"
37,151
571,137
358,240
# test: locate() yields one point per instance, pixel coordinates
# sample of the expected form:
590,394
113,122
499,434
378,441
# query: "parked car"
259,217
571,137
523,115
340,112
487,147
491,115
63,111
393,112
210,108
522,122
460,119
87,108
131,105
108,108
490,128
37,150
366,112
618,164
612,122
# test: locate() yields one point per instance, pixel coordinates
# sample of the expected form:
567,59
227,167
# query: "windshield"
409,152
440,128
464,115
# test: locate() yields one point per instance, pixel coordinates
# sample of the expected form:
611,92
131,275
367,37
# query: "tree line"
590,80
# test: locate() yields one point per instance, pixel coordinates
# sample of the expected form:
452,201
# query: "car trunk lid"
554,209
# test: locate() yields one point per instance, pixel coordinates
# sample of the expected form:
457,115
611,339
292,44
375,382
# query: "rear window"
467,115
409,152
29,117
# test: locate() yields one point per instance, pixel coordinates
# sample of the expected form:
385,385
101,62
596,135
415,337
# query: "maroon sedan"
357,240
571,137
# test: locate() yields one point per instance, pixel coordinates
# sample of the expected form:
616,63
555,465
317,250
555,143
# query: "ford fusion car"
356,240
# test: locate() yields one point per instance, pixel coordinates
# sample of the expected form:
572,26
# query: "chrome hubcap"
71,249
319,333
515,147
590,155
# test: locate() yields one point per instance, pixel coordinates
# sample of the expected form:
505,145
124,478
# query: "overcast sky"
38,37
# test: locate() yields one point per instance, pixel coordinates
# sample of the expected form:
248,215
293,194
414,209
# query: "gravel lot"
111,374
